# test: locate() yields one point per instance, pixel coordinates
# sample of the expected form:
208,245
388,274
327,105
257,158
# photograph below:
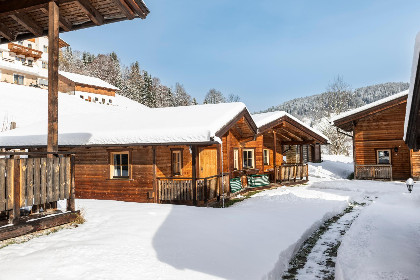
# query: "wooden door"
207,163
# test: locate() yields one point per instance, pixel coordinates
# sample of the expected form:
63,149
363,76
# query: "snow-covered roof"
412,82
369,106
85,123
87,80
268,117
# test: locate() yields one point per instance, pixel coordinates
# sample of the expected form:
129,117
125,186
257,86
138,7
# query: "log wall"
384,130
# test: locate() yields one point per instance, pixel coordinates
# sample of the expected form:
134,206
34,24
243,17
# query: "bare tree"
214,97
233,98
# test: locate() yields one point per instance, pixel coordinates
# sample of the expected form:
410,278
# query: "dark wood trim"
228,126
64,23
124,8
194,172
94,15
310,142
27,22
6,32
411,137
155,187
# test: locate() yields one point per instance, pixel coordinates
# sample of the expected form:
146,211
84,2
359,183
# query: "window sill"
120,179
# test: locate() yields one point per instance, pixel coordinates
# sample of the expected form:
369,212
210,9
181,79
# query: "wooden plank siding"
384,130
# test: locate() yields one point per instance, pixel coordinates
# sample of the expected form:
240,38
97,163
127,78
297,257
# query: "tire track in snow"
316,257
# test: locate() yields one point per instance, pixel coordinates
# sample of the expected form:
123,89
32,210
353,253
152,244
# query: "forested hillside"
133,81
315,107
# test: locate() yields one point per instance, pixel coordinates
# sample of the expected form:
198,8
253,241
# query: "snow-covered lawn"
254,239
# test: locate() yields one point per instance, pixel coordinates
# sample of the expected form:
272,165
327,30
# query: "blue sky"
265,51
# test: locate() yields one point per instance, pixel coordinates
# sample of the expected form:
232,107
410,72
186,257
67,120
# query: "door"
207,163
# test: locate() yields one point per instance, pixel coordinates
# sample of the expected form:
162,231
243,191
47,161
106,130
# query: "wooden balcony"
22,50
373,172
31,184
183,189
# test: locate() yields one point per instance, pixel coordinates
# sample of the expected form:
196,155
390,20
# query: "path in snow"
317,256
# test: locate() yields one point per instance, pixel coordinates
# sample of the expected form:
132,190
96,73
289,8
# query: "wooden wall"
384,130
93,89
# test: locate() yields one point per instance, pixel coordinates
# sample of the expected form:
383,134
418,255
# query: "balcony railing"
22,50
373,172
292,172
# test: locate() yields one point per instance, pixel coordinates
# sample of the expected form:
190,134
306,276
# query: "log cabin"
377,131
412,114
150,155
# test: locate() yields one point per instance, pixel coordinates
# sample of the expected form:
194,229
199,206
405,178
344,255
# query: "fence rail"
182,188
292,172
35,180
374,171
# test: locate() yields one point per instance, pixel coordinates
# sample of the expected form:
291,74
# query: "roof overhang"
250,124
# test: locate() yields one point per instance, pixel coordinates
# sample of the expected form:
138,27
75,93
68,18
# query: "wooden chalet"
412,115
377,130
39,180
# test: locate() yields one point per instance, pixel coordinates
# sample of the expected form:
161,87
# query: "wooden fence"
35,181
292,172
183,189
372,172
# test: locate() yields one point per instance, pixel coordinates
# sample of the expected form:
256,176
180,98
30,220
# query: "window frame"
268,156
235,159
181,161
112,165
253,158
382,150
19,75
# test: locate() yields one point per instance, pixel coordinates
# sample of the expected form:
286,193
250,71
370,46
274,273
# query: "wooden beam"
91,11
290,135
53,40
123,6
274,156
64,23
310,142
6,32
27,22
194,172
136,6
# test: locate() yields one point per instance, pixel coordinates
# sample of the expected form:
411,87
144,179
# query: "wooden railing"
183,188
35,180
292,172
375,171
22,50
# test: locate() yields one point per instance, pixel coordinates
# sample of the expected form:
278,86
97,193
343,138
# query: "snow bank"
333,167
383,243
251,240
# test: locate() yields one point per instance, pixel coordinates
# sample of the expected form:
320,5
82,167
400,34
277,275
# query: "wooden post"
53,48
16,190
301,153
194,172
205,191
274,156
71,206
155,189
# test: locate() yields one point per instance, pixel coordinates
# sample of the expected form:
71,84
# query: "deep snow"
254,239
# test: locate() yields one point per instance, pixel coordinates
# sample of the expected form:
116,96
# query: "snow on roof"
87,80
85,123
412,81
369,106
268,117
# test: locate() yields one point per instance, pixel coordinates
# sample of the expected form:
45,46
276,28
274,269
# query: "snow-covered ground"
254,239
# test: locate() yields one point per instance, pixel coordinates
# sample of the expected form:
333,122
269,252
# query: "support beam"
123,6
136,6
274,156
6,32
91,12
310,142
53,39
27,22
194,172
64,23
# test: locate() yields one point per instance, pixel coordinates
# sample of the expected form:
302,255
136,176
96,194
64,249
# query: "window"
235,159
18,79
103,101
120,165
248,158
30,62
43,82
82,97
383,156
44,64
30,46
45,49
110,101
266,153
20,43
176,162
